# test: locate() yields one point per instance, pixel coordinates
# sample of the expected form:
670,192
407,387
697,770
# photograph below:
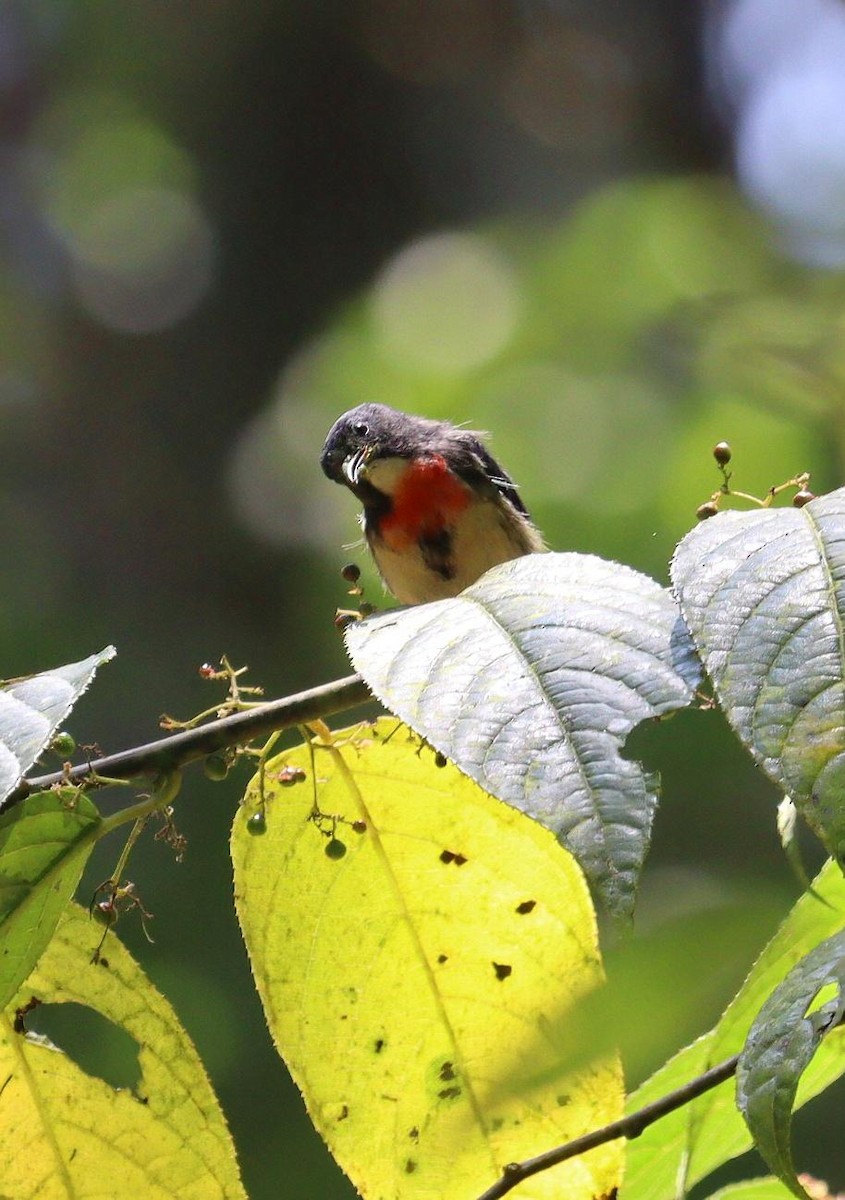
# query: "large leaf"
782,1041
765,1188
32,709
417,944
763,594
684,1147
64,1132
44,844
530,681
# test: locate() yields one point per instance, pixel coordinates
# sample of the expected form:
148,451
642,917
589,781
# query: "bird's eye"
360,429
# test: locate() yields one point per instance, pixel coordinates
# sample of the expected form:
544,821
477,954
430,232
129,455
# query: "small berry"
803,497
708,509
207,671
63,743
342,620
359,826
335,848
257,824
105,912
216,767
351,572
440,760
722,453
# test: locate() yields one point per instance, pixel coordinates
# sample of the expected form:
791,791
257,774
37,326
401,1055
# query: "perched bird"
439,511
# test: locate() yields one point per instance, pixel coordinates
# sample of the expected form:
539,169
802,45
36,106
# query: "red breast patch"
428,498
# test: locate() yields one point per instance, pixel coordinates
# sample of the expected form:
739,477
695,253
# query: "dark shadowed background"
612,233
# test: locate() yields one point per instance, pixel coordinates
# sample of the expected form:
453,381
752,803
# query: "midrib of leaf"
815,528
17,1043
56,865
372,827
550,705
761,698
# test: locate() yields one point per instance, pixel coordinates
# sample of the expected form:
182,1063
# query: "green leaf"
64,1132
684,1147
782,1041
44,844
33,708
766,1188
763,594
413,940
530,681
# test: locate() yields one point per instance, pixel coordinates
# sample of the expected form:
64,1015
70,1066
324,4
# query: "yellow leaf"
414,943
65,1133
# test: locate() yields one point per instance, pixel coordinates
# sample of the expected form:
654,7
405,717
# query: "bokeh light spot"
571,89
791,159
777,71
446,304
92,158
276,487
560,446
575,445
143,259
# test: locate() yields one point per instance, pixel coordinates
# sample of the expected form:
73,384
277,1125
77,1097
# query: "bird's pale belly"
477,540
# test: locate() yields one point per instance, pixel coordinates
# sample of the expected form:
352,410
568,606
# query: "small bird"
439,511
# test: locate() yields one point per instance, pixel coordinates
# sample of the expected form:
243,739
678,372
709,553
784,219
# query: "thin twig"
627,1127
184,747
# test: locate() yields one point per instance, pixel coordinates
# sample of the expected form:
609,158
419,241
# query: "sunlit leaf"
766,1188
530,681
682,1148
763,594
44,844
65,1132
410,945
33,708
655,971
782,1041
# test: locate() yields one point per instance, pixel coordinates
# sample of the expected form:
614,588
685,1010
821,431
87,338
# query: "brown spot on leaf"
449,1093
410,1166
447,1071
502,970
526,906
442,958
450,856
378,1045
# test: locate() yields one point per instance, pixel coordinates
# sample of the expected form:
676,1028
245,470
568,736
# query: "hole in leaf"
96,1045
825,996
825,1009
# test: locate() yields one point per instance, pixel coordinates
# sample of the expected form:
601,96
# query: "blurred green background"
610,233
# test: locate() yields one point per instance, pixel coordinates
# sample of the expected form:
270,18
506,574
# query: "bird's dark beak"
354,465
